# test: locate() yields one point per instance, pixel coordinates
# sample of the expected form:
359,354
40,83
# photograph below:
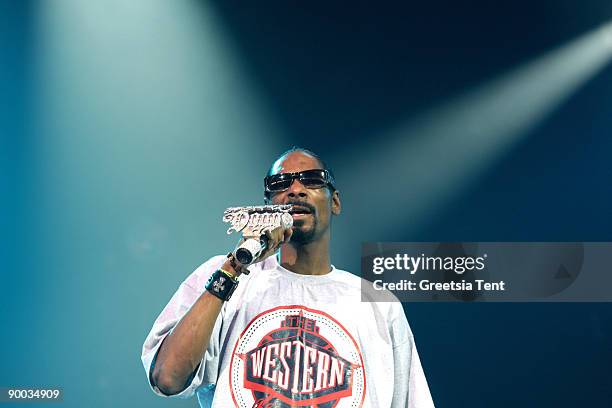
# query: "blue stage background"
128,128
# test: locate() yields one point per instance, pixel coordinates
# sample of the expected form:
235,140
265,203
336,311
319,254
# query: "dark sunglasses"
309,178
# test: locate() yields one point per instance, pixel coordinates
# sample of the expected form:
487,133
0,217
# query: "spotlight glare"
442,152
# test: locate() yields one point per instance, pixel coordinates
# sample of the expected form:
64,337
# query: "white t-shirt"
286,339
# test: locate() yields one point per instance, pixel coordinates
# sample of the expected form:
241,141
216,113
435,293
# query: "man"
295,331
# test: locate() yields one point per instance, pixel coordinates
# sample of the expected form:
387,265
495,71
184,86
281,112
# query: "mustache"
304,204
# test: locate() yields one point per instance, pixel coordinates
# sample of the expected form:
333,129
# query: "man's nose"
296,189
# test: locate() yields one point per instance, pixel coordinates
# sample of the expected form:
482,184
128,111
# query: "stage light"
133,96
148,127
415,170
607,33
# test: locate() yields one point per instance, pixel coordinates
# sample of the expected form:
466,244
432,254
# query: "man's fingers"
270,238
287,235
273,240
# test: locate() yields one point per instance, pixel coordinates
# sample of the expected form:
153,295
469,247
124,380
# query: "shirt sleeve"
186,295
410,386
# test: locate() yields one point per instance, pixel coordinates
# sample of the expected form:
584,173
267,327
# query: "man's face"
313,207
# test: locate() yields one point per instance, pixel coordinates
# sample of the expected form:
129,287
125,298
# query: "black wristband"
221,285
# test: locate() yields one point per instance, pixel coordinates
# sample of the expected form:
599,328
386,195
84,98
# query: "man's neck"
308,259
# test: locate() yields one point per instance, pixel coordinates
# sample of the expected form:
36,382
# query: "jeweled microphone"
254,222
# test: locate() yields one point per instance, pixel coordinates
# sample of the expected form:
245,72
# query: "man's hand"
276,238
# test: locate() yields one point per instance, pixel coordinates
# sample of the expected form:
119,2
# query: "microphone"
254,222
251,248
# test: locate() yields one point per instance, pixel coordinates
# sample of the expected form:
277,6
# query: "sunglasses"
309,178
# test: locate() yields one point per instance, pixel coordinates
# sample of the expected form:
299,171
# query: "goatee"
300,236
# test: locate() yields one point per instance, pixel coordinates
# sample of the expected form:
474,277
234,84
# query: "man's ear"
336,206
